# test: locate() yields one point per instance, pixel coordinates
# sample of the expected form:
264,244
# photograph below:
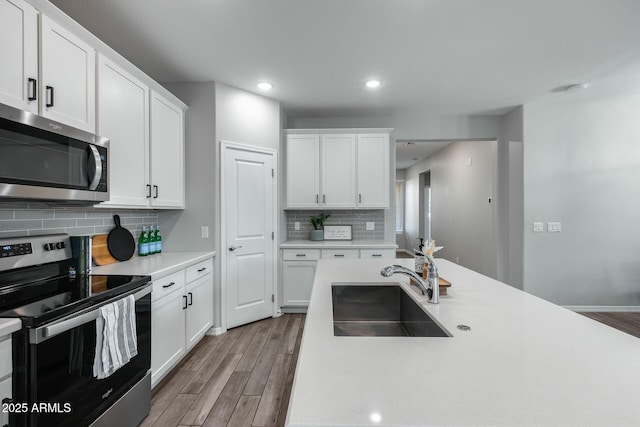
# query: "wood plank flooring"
241,378
625,321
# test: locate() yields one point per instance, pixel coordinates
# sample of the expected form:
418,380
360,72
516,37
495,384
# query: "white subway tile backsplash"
356,218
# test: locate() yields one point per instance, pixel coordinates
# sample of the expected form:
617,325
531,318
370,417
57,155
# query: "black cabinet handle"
324,198
148,191
190,298
376,255
359,198
156,187
33,89
169,285
338,255
184,300
316,198
49,102
301,255
200,270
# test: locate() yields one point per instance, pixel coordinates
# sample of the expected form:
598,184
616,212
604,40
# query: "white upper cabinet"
67,84
327,169
338,153
303,171
19,55
167,153
123,106
373,171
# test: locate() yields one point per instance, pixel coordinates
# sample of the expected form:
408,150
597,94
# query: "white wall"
582,167
461,217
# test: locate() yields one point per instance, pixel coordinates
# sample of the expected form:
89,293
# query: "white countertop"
525,361
156,266
333,244
9,326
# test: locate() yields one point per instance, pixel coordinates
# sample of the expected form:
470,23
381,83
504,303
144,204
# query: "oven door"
42,159
57,373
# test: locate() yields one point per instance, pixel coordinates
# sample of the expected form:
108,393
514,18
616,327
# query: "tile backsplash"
27,219
356,218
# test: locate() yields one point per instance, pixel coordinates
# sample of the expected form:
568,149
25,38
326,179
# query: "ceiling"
434,56
411,152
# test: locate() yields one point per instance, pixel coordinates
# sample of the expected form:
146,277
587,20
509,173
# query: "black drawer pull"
200,270
376,255
169,285
49,97
33,89
338,255
301,255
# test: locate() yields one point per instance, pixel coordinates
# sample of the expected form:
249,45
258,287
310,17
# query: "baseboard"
215,331
294,309
603,308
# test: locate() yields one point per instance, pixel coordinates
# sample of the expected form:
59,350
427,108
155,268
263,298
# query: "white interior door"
248,194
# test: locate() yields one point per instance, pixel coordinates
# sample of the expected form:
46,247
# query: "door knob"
233,248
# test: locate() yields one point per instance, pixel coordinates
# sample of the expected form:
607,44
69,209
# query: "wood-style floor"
624,321
241,378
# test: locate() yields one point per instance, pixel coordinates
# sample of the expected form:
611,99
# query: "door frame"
224,146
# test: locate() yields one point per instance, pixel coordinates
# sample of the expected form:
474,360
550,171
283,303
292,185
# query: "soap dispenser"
419,261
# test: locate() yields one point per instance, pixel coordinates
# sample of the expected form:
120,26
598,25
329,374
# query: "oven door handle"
38,335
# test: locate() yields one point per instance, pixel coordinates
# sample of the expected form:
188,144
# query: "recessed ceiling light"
372,84
265,85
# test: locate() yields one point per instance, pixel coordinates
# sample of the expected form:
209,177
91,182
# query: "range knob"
49,246
60,245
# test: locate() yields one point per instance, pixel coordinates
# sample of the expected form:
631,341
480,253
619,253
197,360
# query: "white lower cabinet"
181,314
299,270
5,393
5,375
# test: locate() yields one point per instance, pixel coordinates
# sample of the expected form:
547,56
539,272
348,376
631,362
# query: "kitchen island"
524,361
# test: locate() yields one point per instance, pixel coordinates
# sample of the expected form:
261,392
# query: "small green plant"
318,222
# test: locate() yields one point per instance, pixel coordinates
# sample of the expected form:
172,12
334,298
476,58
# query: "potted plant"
318,223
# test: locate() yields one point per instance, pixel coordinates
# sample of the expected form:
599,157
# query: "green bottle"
152,241
143,243
158,239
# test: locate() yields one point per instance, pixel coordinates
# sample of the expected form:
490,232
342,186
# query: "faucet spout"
430,288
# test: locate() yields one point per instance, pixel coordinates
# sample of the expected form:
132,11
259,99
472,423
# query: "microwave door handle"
36,336
95,172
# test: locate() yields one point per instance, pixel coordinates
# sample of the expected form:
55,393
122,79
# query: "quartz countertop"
525,361
340,244
156,266
9,326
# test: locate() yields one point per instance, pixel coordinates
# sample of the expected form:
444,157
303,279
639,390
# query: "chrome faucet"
430,288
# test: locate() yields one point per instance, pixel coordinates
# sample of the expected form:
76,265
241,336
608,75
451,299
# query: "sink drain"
464,327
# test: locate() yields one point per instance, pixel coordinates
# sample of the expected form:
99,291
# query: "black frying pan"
120,241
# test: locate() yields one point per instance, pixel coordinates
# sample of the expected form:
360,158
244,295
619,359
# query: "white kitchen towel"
116,341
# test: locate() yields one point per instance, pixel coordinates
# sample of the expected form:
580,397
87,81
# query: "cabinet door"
19,53
373,171
200,309
5,393
167,334
303,171
338,170
297,280
68,87
167,153
123,103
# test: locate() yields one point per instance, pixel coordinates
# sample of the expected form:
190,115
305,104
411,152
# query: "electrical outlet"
457,260
370,226
296,225
554,227
469,161
204,232
538,227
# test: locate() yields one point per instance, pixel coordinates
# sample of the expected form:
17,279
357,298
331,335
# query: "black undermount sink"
385,310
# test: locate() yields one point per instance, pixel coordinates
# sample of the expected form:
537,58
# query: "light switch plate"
370,226
538,227
296,226
204,232
554,227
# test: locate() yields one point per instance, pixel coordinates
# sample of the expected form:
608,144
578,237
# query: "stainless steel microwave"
44,160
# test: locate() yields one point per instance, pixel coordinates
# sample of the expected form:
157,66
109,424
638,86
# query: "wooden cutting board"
443,284
100,250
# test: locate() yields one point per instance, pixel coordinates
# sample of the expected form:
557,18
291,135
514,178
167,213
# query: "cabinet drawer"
5,356
168,285
300,254
378,253
339,253
200,269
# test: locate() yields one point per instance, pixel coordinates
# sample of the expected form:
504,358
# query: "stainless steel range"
54,383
